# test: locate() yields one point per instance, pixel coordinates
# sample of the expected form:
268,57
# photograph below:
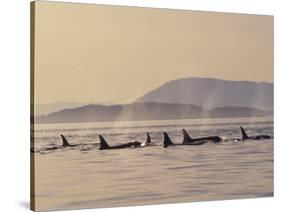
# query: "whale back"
64,141
244,134
148,139
167,140
103,143
186,137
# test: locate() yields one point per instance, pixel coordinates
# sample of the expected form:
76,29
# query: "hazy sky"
94,53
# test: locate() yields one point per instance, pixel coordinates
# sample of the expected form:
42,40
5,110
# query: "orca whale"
65,144
188,140
148,141
167,142
255,137
104,144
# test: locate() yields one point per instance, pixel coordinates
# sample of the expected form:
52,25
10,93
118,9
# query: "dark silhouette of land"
179,99
145,111
212,93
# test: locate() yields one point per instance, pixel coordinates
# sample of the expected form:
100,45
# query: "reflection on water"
85,177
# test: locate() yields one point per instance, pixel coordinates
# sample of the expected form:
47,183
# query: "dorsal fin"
64,141
148,139
186,137
244,134
167,140
103,143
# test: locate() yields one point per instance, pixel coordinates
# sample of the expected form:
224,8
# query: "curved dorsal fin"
103,143
186,137
244,134
167,140
64,141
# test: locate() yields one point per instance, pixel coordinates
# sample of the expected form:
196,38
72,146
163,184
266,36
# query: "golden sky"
95,53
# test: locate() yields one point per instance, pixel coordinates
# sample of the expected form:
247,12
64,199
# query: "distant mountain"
45,109
212,93
144,111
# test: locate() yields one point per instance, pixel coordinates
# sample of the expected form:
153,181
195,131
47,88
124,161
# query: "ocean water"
86,177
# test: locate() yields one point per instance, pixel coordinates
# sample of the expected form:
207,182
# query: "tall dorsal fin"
148,139
244,134
186,137
103,143
167,140
64,141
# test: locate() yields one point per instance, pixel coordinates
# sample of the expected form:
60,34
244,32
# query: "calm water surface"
85,177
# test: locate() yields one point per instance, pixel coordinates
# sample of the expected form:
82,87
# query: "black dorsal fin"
148,139
64,141
167,140
103,143
244,134
186,137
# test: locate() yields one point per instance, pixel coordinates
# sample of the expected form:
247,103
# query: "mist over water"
83,176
